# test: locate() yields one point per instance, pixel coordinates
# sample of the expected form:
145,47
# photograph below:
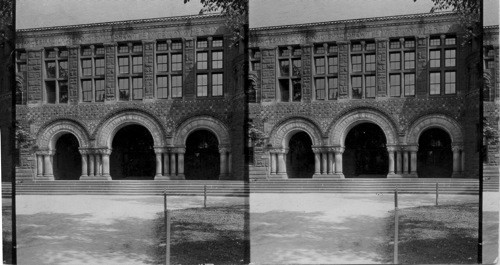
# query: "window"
130,71
326,71
363,67
254,59
21,61
168,69
56,75
442,63
402,68
290,74
209,66
92,73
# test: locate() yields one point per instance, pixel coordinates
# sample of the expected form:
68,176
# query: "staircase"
490,178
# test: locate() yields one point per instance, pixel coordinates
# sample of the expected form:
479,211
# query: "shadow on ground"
205,235
7,231
299,237
438,234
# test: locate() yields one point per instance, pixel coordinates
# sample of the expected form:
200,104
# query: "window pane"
63,69
51,69
450,41
449,87
99,50
435,83
435,41
370,62
50,54
332,88
449,57
87,90
137,48
297,90
333,48
319,49
320,65
395,44
395,85
409,60
50,89
333,65
320,88
284,68
176,86
137,87
285,90
162,63
356,87
87,67
162,84
63,91
370,46
216,60
123,87
161,46
395,61
435,58
370,86
409,44
99,90
297,67
202,86
137,64
409,84
176,62
99,66
356,63
356,47
202,60
63,53
123,48
202,43
217,43
86,51
176,45
123,65
217,85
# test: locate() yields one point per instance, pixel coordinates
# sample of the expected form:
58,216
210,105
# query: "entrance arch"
300,156
365,152
202,159
434,156
132,155
67,161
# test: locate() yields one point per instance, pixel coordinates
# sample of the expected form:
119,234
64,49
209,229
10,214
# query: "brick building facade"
142,99
491,92
379,97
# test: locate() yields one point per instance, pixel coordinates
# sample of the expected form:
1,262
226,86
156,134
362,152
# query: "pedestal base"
394,176
327,176
170,177
278,176
108,177
44,178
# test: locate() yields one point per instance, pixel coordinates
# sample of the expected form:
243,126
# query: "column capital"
392,148
223,150
103,151
110,44
46,152
455,148
160,150
178,150
338,149
412,148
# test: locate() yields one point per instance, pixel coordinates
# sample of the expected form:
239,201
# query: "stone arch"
202,122
341,127
282,132
107,130
48,134
451,126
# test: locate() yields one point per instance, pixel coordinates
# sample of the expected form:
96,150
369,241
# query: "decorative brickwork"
189,68
73,75
306,73
381,67
35,84
148,69
110,71
280,135
48,134
268,65
343,69
421,64
202,123
435,121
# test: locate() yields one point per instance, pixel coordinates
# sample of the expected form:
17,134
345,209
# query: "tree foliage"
6,20
236,13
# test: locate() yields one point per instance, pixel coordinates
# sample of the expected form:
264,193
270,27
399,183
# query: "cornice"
202,20
450,16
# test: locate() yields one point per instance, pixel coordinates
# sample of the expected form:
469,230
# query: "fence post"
437,193
396,226
205,196
167,229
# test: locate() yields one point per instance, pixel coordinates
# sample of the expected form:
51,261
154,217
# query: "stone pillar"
399,162
166,165
273,162
105,164
338,162
281,164
462,164
91,165
158,163
84,165
317,162
413,161
39,165
173,164
223,162
180,162
324,163
456,161
331,162
405,162
47,159
229,164
98,165
390,150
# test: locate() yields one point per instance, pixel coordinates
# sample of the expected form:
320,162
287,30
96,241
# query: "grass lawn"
438,234
206,235
7,230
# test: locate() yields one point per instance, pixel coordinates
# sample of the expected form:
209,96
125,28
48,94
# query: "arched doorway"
202,159
434,156
365,152
300,156
67,159
132,155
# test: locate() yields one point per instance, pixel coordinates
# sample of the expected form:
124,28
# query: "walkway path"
328,228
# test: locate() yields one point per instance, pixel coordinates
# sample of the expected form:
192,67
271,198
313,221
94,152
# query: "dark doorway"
434,156
67,160
300,156
202,161
365,152
133,155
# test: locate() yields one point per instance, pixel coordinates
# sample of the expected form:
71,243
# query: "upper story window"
254,59
326,68
169,69
363,66
130,71
56,75
290,74
442,65
209,67
92,73
21,69
402,67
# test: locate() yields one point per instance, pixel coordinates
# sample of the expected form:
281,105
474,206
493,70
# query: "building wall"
491,92
169,120
327,121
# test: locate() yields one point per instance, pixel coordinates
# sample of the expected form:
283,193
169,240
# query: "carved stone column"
180,162
173,164
98,164
456,161
229,164
159,162
405,161
399,162
48,159
317,162
223,162
338,162
331,162
105,164
462,164
413,161
39,165
324,162
281,164
83,153
391,150
166,164
273,161
91,165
